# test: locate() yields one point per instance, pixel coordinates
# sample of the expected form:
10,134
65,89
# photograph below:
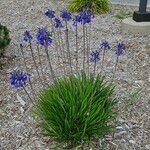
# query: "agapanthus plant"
76,106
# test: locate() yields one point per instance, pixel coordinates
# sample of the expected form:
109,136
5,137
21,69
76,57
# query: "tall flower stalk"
119,52
49,62
77,50
66,16
26,68
40,62
84,51
55,41
94,57
87,49
28,38
104,46
58,25
76,21
51,15
86,18
44,39
62,53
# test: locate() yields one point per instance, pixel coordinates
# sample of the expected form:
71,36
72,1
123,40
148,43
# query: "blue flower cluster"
77,19
120,49
43,37
27,37
105,45
50,13
65,15
94,56
58,23
86,16
19,79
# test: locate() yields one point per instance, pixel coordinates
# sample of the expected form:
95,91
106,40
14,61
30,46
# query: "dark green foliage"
76,108
95,6
4,39
123,15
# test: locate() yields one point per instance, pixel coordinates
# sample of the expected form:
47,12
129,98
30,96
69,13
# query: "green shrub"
76,109
95,6
4,39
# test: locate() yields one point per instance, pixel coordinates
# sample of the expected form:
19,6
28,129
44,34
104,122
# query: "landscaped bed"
20,131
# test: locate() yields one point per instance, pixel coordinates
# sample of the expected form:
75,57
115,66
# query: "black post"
142,15
143,5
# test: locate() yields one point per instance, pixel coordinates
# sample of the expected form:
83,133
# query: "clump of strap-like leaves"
77,108
4,39
95,6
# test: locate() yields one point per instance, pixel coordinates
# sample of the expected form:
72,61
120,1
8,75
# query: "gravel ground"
19,131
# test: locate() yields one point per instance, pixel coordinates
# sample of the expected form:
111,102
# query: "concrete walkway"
128,2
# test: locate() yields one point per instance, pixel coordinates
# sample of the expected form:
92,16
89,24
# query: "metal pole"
142,6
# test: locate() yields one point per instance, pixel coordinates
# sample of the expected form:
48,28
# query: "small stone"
119,128
147,146
121,120
119,134
132,141
123,141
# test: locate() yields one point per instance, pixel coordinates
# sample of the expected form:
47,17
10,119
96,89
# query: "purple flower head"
43,37
19,79
120,49
50,13
27,37
94,56
105,45
65,15
86,16
77,19
58,23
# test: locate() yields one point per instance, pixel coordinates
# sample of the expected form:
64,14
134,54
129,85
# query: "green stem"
31,86
55,41
36,67
95,67
61,51
50,65
84,48
88,49
62,44
76,35
116,64
40,61
68,47
89,46
103,61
